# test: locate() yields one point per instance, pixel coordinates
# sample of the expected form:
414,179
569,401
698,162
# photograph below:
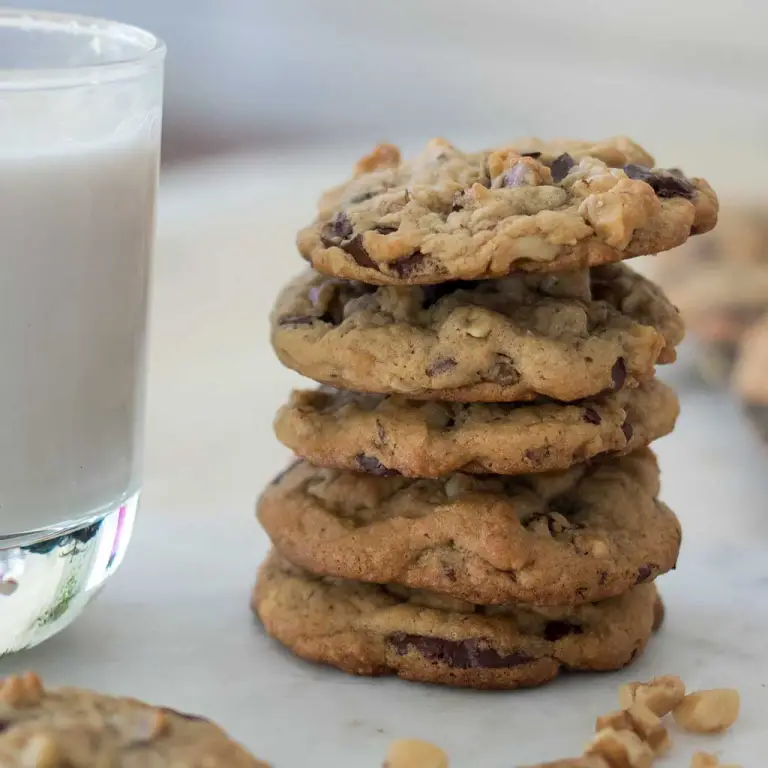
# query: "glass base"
46,582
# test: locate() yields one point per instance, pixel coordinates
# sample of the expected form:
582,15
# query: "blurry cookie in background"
719,281
750,376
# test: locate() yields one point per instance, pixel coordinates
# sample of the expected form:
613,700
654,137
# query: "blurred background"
686,78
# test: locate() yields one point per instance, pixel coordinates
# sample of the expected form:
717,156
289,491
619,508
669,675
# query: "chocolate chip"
459,654
504,371
602,577
591,416
441,365
534,155
619,373
277,479
560,167
185,715
405,265
373,466
644,573
663,183
449,572
536,455
297,320
628,431
381,433
356,250
556,630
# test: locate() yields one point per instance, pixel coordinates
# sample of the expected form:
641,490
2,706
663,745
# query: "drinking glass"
80,121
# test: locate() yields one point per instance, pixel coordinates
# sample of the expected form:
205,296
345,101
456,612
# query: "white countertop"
173,626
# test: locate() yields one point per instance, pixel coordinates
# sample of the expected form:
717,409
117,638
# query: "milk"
76,230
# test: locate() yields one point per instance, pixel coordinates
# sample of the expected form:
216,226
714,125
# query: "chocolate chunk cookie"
720,284
386,434
565,336
368,629
585,534
70,728
527,206
751,376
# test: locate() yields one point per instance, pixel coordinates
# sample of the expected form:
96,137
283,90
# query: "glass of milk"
80,119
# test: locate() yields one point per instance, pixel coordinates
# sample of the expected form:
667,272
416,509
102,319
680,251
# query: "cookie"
720,284
565,336
530,206
71,728
581,535
368,629
750,378
389,435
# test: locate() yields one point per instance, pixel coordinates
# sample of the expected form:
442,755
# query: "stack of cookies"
475,503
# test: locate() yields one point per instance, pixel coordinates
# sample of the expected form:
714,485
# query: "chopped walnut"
661,694
411,753
21,690
478,323
382,156
585,761
639,719
708,711
614,214
621,749
706,760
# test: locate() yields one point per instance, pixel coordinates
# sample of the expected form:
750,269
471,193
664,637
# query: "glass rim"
150,51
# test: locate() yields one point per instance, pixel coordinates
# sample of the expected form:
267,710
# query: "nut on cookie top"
525,206
71,728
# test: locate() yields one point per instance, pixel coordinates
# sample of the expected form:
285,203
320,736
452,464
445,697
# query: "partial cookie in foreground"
564,538
422,438
530,206
566,336
367,629
750,377
72,728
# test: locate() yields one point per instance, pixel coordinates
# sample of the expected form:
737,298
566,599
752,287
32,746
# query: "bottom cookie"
370,629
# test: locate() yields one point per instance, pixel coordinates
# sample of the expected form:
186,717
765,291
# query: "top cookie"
70,728
527,206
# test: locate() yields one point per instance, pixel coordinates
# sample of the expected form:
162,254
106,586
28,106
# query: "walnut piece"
661,694
641,721
708,711
705,760
412,753
585,761
621,749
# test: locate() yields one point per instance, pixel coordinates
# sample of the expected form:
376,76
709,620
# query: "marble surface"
174,627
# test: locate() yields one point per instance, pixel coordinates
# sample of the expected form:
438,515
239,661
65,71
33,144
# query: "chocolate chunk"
560,167
534,155
602,577
373,466
339,228
459,654
644,573
449,572
297,320
556,630
514,176
356,250
280,475
405,265
441,365
591,416
381,433
504,371
619,373
185,715
663,183
626,428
